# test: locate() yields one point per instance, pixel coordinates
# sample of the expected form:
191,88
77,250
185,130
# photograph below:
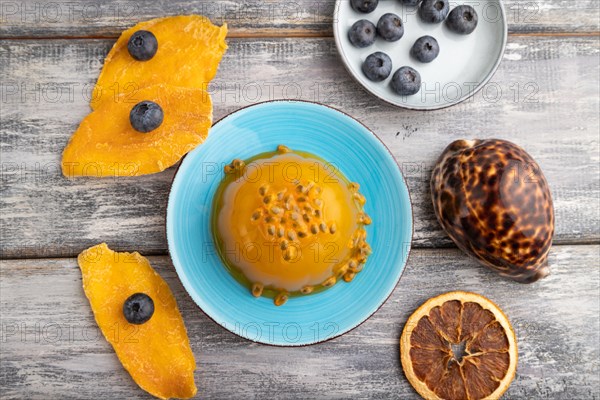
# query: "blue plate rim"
404,264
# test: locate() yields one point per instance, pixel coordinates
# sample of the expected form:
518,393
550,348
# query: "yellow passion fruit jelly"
287,223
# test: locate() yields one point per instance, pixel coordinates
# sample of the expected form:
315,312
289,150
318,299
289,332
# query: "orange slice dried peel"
459,322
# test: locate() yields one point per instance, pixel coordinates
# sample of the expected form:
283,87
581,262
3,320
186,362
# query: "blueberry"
146,116
390,27
377,66
425,49
406,81
434,11
410,2
138,308
364,6
362,33
463,20
142,45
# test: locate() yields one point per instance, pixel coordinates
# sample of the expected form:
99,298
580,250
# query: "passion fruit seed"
283,149
262,190
307,290
290,253
283,245
271,230
323,227
236,165
257,289
329,282
340,270
256,215
357,268
359,198
307,188
332,228
276,210
364,219
280,299
348,276
314,229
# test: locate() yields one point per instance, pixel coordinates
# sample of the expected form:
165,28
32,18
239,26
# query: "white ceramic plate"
465,63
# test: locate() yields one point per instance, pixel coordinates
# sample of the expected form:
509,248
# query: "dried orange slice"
156,353
190,48
459,346
105,144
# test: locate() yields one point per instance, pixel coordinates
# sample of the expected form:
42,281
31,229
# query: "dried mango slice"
190,48
105,144
156,353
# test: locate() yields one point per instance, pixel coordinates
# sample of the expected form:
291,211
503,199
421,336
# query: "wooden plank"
48,18
51,347
549,105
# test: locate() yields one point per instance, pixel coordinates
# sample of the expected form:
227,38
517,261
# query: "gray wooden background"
543,97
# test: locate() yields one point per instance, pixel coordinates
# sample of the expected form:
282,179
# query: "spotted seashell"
492,199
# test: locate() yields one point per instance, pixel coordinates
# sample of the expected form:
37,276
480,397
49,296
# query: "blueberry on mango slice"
462,20
106,143
191,48
146,116
138,308
142,45
157,355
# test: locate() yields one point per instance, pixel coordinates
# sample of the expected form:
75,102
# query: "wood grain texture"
49,18
51,347
543,98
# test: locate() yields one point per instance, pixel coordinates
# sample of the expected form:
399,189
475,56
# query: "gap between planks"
299,35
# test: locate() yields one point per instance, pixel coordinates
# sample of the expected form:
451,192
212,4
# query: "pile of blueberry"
377,67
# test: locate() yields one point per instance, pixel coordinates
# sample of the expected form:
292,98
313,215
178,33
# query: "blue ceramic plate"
340,140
